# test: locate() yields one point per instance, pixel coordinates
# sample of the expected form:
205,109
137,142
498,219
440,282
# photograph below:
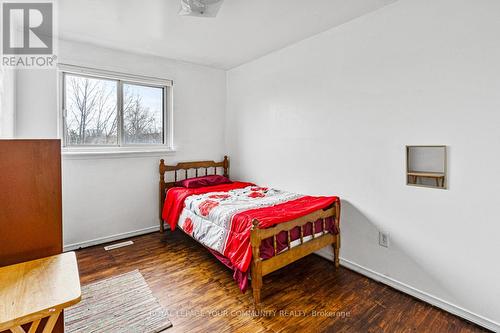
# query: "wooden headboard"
182,170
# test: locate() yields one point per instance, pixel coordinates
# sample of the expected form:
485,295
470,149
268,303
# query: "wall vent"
118,245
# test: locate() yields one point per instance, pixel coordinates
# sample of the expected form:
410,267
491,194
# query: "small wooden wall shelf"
437,176
426,166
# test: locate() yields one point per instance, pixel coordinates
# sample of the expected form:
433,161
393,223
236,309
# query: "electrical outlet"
383,239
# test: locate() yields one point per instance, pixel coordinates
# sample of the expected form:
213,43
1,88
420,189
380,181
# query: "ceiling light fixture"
200,8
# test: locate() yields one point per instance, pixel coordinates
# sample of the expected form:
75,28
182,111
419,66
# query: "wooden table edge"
28,318
38,315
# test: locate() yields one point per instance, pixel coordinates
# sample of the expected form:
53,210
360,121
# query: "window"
142,114
103,109
91,111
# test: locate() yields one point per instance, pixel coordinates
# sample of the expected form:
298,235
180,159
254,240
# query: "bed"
253,230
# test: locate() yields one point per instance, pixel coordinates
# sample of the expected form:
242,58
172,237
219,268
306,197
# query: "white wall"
431,159
333,113
103,197
7,102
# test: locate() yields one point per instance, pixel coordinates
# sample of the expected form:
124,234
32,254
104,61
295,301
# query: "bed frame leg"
256,264
336,251
162,226
256,272
256,287
256,297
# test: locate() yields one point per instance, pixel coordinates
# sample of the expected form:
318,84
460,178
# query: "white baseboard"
107,239
433,300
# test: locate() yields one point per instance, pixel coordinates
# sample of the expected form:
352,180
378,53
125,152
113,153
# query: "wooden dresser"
30,201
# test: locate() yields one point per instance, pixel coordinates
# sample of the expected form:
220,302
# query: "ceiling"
243,30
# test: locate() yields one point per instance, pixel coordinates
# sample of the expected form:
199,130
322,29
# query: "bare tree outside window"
142,114
92,112
91,116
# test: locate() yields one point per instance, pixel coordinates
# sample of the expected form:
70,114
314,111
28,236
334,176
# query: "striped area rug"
122,303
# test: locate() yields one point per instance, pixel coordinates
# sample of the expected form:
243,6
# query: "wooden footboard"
261,267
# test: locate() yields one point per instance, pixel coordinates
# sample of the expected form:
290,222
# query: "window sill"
107,153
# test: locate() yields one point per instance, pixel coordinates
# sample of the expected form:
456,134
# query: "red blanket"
237,246
174,202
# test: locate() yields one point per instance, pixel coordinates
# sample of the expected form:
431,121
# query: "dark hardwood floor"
200,295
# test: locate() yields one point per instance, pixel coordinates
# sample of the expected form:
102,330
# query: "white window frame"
120,78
